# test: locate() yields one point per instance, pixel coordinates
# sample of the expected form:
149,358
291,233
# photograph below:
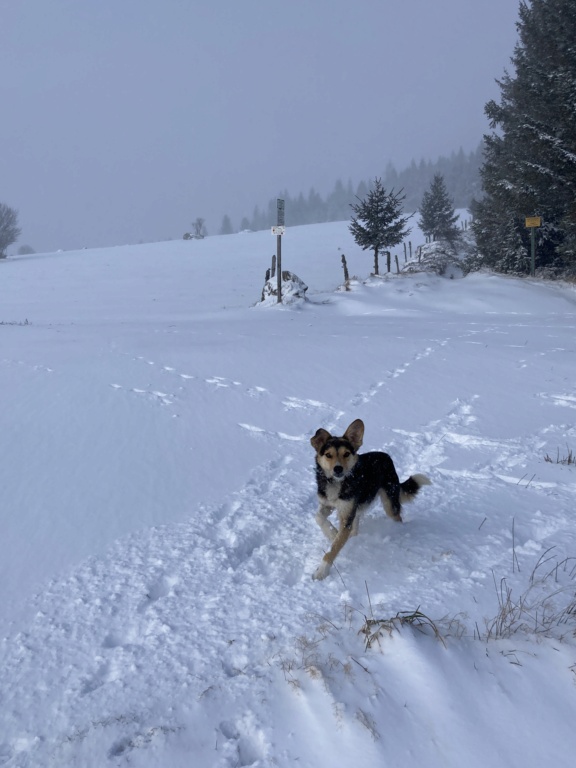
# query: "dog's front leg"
347,519
322,519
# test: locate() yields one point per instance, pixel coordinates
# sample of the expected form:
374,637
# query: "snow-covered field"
157,518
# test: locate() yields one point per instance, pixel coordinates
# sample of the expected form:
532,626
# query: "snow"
158,534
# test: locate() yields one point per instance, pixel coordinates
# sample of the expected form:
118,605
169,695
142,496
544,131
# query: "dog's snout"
338,470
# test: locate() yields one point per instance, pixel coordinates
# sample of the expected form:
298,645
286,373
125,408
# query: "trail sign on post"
279,230
532,223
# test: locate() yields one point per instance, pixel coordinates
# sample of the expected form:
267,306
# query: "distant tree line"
460,172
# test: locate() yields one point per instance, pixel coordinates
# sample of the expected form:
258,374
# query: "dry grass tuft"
545,606
374,629
568,459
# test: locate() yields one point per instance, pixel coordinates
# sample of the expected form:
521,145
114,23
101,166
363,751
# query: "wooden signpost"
279,230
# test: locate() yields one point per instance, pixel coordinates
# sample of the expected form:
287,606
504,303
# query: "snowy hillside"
158,502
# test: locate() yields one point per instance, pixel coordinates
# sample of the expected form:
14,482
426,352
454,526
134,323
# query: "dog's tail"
409,488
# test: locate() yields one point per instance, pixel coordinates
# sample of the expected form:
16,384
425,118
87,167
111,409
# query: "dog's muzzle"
338,471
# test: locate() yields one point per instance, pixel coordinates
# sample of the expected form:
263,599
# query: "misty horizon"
123,126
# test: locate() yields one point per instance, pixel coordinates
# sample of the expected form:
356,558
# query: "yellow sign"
533,221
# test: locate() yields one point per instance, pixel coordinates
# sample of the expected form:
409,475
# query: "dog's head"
336,456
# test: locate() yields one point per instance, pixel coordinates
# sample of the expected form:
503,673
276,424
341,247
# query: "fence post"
346,276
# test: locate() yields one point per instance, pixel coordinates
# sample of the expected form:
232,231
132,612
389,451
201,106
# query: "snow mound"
439,257
293,290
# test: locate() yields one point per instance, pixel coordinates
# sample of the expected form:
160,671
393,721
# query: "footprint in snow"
163,397
296,402
245,743
161,587
100,678
220,382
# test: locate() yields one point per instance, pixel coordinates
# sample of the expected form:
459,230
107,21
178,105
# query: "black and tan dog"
349,482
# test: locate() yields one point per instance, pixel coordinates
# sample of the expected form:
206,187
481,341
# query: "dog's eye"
328,455
346,454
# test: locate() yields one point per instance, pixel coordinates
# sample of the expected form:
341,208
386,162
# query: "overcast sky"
123,120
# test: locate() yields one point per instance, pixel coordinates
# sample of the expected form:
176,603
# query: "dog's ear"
320,439
355,433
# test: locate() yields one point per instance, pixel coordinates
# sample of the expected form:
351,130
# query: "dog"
349,482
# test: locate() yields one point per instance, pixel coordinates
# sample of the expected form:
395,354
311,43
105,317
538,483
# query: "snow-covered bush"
439,256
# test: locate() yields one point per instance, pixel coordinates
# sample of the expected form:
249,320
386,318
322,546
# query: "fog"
122,122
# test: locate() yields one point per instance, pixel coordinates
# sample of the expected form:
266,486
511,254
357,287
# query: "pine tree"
530,158
226,228
378,223
437,216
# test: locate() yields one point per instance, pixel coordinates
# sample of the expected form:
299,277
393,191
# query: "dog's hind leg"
390,497
322,519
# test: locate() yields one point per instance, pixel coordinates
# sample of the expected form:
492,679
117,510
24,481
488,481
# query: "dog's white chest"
333,493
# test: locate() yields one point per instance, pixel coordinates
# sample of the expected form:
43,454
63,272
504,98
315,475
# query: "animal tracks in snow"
260,432
365,397
162,397
564,400
214,382
29,366
242,742
295,402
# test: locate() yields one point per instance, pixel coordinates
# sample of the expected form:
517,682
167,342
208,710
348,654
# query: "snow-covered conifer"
378,223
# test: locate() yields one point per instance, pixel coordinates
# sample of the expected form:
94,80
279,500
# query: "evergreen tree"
437,217
530,157
226,228
9,229
378,223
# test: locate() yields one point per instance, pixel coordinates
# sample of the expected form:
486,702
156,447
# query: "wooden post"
346,276
279,267
280,225
397,265
273,270
405,253
388,260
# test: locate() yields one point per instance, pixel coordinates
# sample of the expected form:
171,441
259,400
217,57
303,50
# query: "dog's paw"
322,571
